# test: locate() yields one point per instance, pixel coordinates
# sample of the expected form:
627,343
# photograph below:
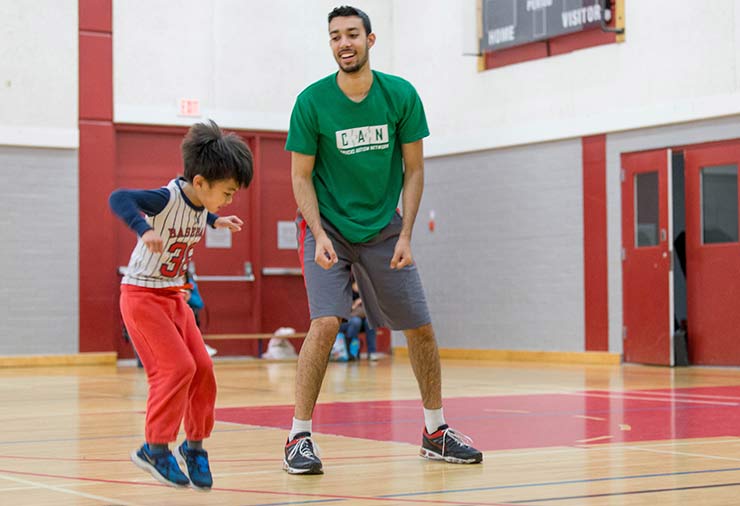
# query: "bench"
259,337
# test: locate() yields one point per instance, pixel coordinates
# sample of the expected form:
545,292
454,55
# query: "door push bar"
282,271
248,275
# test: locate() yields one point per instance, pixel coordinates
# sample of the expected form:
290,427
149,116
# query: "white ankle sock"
433,418
299,426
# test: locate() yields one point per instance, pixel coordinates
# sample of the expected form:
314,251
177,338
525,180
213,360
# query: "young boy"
161,325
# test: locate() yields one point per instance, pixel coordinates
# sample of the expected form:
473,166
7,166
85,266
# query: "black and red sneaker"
449,445
301,457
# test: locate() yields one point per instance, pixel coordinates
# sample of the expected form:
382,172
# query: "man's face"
349,43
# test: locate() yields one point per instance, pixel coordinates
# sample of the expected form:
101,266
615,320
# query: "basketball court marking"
684,454
664,444
525,421
620,494
35,484
335,497
399,497
568,482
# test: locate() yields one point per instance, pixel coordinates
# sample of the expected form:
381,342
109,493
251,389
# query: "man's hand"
402,254
233,223
325,254
152,241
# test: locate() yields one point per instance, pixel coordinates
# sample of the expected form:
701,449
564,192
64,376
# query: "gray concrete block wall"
504,267
39,295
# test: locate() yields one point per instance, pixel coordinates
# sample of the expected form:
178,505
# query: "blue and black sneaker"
449,445
162,465
301,457
196,464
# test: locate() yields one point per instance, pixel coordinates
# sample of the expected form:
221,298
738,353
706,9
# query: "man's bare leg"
424,357
312,362
438,441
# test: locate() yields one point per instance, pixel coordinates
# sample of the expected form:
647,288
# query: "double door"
681,255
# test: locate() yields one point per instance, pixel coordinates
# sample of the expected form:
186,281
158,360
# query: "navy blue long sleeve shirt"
129,204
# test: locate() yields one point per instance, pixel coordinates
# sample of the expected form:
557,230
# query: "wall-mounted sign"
509,23
218,237
286,235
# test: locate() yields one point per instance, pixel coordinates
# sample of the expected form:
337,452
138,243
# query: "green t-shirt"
358,174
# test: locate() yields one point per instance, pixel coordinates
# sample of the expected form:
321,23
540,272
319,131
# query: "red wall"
595,243
98,292
147,157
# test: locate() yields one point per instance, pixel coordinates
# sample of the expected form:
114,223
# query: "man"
356,142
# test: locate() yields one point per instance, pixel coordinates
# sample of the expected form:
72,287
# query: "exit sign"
189,107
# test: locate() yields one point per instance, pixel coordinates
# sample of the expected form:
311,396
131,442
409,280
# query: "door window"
646,209
719,204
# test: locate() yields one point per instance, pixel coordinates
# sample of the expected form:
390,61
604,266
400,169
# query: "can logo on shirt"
368,137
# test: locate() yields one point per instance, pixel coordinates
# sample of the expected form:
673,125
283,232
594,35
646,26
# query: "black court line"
316,501
565,482
634,492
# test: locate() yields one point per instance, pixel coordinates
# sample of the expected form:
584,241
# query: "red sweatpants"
180,372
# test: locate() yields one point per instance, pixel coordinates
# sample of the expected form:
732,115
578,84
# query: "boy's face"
214,195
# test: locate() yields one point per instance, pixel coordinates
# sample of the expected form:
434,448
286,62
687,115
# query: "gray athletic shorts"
392,298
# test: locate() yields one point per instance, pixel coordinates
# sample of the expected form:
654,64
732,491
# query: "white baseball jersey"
180,226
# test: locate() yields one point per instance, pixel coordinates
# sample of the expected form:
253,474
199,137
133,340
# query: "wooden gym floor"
571,435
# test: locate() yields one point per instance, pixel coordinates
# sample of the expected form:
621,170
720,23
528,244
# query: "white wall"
245,61
38,73
680,62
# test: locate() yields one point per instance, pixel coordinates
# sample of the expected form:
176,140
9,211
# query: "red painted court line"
658,398
278,460
671,393
256,491
413,456
80,478
61,459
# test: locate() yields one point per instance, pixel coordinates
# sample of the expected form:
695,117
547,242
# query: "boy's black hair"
346,11
209,152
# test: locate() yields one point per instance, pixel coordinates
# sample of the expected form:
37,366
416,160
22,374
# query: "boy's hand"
233,223
152,241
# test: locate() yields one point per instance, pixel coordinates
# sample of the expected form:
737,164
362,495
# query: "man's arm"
413,187
413,183
305,196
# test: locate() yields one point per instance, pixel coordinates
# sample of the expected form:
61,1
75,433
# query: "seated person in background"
358,323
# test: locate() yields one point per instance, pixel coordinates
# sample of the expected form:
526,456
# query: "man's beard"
356,67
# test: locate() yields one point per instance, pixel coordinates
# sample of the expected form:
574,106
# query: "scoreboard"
509,23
